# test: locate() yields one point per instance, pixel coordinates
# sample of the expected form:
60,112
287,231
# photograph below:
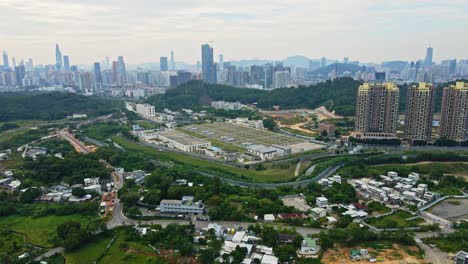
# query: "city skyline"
270,30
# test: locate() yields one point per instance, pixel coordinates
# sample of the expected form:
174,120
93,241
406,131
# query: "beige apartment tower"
419,112
454,119
377,111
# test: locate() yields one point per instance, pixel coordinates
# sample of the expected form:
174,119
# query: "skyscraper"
66,62
20,72
5,60
163,63
122,70
208,67
172,61
377,111
85,82
115,72
221,62
428,59
97,74
58,58
419,112
323,62
454,120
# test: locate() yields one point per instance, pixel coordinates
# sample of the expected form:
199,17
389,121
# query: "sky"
144,30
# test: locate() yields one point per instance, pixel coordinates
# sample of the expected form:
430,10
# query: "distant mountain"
296,61
248,63
339,67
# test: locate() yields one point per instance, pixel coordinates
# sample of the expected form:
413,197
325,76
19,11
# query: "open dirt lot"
451,209
393,255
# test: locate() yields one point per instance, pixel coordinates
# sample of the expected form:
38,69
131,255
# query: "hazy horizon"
142,31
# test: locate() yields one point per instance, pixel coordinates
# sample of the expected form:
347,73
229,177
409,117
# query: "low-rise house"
321,202
309,248
318,212
269,218
461,257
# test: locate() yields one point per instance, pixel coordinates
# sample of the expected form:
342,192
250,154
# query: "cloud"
143,30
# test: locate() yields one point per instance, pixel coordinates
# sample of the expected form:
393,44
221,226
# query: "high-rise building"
5,60
346,60
323,62
86,81
419,112
163,63
97,74
115,72
66,62
454,119
377,111
428,59
452,67
20,72
122,70
281,79
172,61
208,66
58,58
221,62
107,62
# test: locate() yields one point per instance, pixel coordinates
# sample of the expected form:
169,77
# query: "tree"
285,253
269,236
269,124
78,192
30,195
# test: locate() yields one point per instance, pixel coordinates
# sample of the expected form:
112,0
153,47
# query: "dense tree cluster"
336,95
74,168
50,106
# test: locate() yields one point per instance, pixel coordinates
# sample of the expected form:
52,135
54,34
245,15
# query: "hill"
336,95
51,106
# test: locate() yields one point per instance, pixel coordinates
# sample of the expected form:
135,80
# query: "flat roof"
182,138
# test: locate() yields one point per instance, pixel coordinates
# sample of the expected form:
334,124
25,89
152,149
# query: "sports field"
240,135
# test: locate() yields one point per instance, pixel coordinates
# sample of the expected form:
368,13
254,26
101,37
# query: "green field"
396,220
119,252
102,131
268,175
146,124
40,230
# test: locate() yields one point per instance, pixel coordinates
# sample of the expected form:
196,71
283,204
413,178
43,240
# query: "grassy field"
396,220
301,133
268,175
119,252
101,131
39,230
10,242
146,124
241,134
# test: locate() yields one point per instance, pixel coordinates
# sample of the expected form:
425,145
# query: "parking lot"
451,209
240,135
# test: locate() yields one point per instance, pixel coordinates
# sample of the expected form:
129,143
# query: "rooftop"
181,138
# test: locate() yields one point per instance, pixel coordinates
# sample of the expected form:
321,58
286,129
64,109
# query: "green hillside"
51,106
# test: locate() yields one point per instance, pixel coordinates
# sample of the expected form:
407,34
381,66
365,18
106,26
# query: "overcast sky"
144,30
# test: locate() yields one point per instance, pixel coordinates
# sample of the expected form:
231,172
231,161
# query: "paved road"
78,145
50,253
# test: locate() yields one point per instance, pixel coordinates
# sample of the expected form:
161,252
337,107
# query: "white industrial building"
184,206
146,110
